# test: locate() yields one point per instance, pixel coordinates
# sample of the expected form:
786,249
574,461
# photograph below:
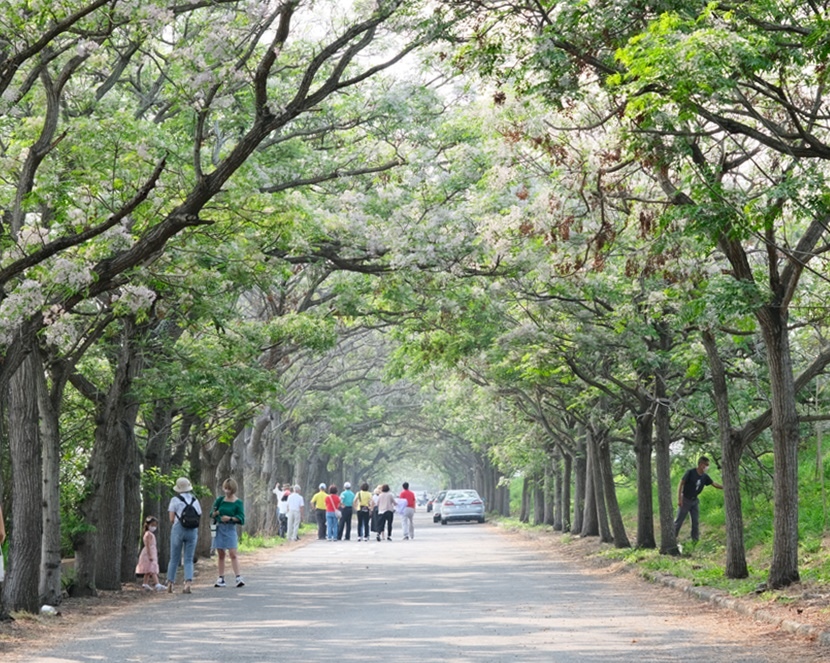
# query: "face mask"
152,528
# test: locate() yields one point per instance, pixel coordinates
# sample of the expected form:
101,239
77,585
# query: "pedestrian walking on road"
363,505
375,517
228,511
408,516
691,485
332,509
386,512
282,514
318,502
296,510
344,529
148,558
183,534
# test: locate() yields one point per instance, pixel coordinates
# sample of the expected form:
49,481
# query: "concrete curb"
720,599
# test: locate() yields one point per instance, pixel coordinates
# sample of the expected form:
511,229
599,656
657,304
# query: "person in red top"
409,512
332,507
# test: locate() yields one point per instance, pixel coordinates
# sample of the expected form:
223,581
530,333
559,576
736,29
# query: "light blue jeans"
181,537
331,525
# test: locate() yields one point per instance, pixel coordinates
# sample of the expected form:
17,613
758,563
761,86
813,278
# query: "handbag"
337,512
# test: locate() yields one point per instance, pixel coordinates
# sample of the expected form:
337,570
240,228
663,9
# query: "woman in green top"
228,512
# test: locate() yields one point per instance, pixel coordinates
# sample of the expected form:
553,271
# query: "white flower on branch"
135,298
23,302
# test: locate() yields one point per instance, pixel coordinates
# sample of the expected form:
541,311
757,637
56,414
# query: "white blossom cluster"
20,304
59,332
135,298
72,275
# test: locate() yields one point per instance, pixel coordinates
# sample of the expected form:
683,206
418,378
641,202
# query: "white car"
462,505
436,506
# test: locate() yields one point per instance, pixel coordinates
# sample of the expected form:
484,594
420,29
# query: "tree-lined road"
456,593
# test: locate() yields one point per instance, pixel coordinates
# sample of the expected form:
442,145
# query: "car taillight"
449,503
476,502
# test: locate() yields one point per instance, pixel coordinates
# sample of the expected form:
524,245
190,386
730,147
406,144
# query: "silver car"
462,505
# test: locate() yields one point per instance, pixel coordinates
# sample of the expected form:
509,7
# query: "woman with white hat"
184,533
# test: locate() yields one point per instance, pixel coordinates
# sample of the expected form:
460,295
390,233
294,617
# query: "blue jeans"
181,537
331,525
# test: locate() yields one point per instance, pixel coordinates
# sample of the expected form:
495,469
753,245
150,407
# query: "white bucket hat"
182,485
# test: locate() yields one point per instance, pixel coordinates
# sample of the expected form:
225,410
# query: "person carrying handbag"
332,513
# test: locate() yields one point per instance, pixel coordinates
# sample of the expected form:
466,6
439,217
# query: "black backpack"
189,517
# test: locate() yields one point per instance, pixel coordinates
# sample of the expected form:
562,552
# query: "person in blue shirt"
692,483
346,506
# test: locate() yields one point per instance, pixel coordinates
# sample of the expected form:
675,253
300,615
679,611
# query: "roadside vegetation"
702,563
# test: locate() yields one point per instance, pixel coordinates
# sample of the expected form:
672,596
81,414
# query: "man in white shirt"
296,507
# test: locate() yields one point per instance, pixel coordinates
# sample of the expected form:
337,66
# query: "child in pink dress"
148,559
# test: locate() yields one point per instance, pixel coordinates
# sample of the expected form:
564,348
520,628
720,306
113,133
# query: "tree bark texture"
98,554
785,437
618,533
524,516
565,498
580,479
665,493
590,519
49,403
731,451
642,447
21,588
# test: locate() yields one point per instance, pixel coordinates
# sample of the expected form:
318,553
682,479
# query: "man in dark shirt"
694,481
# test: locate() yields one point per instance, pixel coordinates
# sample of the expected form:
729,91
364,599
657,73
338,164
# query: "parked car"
436,506
462,505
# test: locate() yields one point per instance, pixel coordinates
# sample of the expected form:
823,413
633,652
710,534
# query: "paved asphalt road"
464,592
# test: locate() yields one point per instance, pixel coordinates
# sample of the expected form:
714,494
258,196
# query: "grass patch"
249,543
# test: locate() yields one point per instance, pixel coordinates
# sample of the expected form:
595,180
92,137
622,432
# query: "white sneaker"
220,582
239,581
147,587
160,588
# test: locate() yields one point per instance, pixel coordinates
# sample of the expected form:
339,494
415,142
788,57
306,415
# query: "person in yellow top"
319,504
363,507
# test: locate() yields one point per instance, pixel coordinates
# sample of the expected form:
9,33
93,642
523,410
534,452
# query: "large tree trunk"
21,589
132,527
731,450
259,516
157,462
580,481
549,494
665,494
565,498
590,519
615,515
556,463
645,508
596,462
49,402
524,516
98,551
539,498
785,437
